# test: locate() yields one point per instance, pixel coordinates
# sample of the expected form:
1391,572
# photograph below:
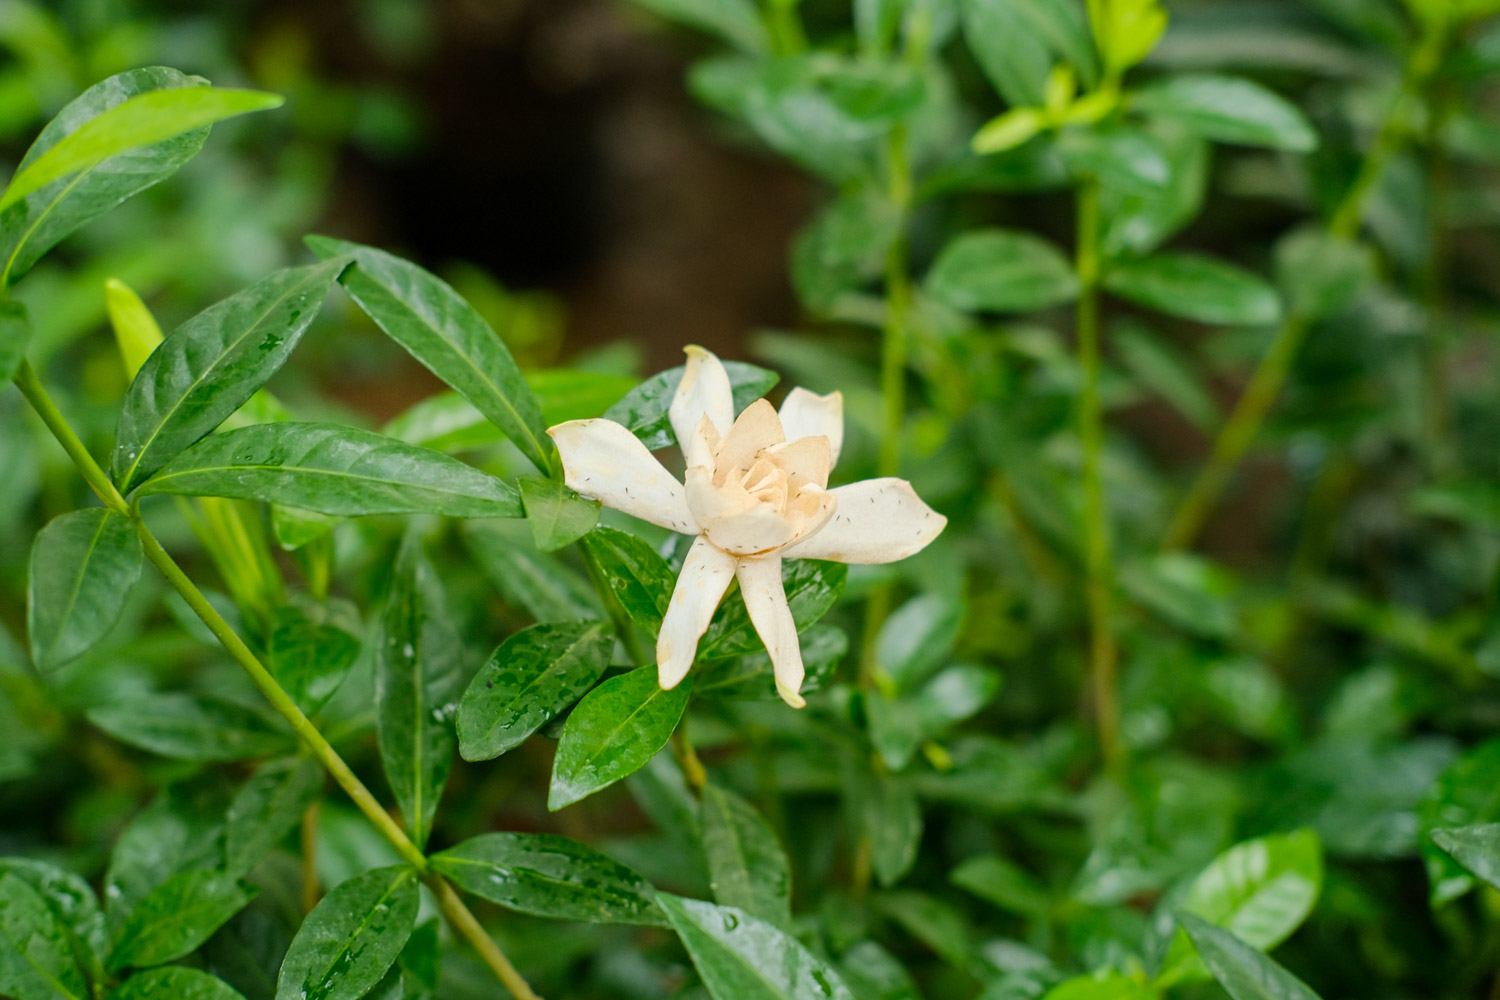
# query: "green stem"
1098,558
693,770
785,27
1244,423
321,749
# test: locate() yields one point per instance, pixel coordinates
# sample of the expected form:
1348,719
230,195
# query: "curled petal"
806,414
703,392
603,460
810,457
877,521
758,427
765,599
705,576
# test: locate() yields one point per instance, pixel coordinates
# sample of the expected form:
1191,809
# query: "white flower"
756,494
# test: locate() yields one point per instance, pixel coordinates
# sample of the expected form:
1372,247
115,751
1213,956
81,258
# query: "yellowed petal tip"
694,351
792,698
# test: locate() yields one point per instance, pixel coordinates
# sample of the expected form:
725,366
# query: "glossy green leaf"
899,725
738,22
265,810
1138,221
1322,273
36,962
558,517
1195,287
535,581
644,408
613,732
743,958
143,120
1476,847
1259,890
748,867
333,470
83,566
182,830
351,937
999,270
1466,793
448,422
529,680
310,654
208,367
178,916
15,337
812,587
72,901
1245,972
35,223
639,578
751,676
916,639
175,983
419,671
1228,109
423,314
549,876
188,727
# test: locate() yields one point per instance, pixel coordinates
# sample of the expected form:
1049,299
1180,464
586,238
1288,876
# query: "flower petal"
765,599
703,391
705,576
603,460
806,414
877,521
810,457
758,427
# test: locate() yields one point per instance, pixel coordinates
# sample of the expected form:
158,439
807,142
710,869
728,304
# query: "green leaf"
1138,221
529,680
83,567
1466,793
1106,985
1129,160
550,876
333,470
1322,273
1228,109
748,868
448,422
176,917
751,676
1160,367
1001,270
36,222
900,725
844,247
613,732
812,587
875,974
211,365
175,983
1259,890
916,639
1195,287
423,314
742,958
351,937
308,654
539,583
558,516
418,674
142,120
1015,58
187,727
15,337
1476,847
892,820
266,809
639,578
737,22
1004,883
644,408
71,900
1243,971
36,962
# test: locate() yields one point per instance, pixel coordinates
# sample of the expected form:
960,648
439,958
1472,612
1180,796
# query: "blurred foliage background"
594,178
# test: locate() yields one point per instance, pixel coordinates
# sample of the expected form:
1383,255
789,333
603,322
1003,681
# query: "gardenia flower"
756,494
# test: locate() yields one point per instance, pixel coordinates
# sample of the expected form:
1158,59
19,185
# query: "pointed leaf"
423,314
83,567
418,676
266,809
189,727
35,960
333,470
613,732
1228,109
999,270
742,958
178,916
529,680
1466,793
1476,847
638,576
1244,972
550,876
1195,287
558,516
351,938
209,366
749,869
